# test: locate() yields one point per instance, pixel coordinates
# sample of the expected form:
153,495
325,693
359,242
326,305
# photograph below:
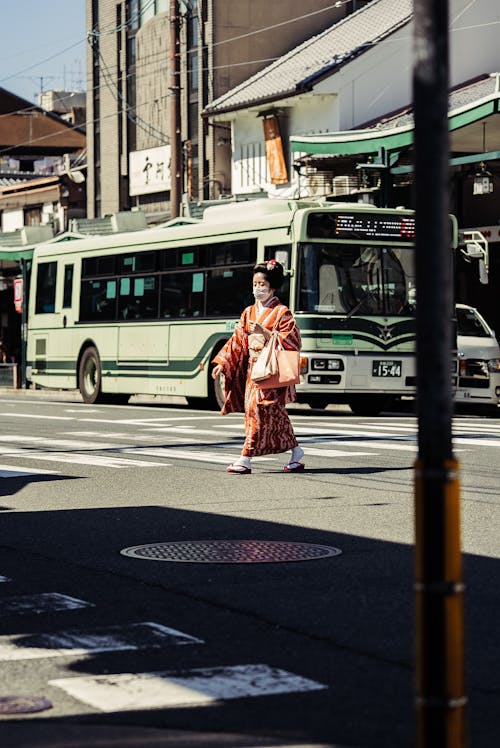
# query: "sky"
43,46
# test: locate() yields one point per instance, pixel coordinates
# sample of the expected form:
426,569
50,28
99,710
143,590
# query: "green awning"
374,139
9,253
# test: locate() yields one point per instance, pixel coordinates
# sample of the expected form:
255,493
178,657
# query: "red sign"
18,294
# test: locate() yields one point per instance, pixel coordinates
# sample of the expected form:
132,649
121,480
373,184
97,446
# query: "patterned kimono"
267,425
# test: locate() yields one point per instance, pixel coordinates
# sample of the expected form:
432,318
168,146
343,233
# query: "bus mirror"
474,246
483,273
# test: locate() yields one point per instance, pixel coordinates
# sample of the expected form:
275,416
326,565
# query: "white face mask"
261,294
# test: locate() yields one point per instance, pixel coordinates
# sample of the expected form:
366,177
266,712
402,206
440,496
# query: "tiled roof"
465,95
299,69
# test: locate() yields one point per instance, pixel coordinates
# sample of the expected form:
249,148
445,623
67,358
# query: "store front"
375,164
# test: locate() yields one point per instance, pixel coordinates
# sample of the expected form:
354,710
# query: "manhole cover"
231,551
23,704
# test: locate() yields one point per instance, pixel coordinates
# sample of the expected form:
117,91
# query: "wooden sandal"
238,469
294,467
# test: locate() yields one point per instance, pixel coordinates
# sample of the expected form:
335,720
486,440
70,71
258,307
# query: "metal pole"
175,113
24,321
440,680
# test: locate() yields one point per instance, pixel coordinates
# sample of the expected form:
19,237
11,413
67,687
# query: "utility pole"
175,112
439,591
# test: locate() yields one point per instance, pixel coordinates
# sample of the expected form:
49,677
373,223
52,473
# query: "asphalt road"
269,651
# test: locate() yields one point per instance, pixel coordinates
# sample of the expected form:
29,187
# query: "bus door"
142,341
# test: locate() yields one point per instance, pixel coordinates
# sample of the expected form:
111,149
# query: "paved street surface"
301,632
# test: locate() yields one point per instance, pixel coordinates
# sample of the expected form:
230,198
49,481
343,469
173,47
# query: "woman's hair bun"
273,272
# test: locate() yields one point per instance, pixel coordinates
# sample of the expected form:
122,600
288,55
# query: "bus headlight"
327,364
494,364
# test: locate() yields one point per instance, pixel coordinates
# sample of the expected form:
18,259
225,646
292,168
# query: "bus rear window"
46,288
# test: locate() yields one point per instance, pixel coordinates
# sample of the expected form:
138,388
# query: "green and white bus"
144,312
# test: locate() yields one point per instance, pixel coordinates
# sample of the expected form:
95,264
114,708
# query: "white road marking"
32,415
183,454
164,689
64,443
187,430
345,432
116,435
309,451
470,441
364,444
12,471
43,602
81,642
76,458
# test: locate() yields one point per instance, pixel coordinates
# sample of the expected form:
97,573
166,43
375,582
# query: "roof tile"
296,70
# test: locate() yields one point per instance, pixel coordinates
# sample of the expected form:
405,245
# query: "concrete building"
221,44
38,184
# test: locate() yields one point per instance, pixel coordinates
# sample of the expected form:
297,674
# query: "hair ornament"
271,264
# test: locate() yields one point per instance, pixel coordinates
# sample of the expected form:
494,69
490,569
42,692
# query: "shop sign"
18,294
149,171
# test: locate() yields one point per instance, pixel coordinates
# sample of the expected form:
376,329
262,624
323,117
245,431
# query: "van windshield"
470,324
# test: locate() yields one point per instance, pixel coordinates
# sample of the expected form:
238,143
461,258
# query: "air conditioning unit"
344,185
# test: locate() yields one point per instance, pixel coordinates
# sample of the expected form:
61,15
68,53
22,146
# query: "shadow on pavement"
345,622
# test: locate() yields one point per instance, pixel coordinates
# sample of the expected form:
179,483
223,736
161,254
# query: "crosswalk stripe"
364,444
311,452
43,602
168,689
64,443
13,471
77,458
75,642
34,415
183,454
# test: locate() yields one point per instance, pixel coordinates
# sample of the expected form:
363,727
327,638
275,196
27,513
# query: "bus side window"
46,277
68,286
138,298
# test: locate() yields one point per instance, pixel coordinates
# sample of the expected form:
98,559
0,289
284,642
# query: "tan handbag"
275,366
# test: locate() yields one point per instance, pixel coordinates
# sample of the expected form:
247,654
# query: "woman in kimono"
268,429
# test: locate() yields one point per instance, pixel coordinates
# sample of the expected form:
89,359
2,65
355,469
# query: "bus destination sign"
361,226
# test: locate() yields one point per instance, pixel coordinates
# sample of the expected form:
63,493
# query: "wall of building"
376,83
307,113
103,196
234,53
245,37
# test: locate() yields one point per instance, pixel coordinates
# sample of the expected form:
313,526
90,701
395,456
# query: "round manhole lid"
231,551
23,704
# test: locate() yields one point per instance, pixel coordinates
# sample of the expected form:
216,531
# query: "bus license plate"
386,369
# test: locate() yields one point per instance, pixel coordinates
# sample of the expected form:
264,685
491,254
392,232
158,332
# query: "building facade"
220,44
344,103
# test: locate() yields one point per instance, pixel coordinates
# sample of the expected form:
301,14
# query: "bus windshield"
355,279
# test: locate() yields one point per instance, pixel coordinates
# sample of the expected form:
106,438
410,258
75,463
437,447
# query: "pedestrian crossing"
164,441
123,691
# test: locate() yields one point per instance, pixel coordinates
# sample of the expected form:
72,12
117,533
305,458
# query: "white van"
478,360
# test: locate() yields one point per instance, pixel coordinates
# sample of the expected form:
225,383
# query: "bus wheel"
89,376
216,397
318,401
218,388
368,405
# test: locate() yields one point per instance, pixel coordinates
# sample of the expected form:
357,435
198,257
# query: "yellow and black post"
439,591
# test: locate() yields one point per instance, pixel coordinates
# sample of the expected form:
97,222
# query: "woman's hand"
217,371
257,328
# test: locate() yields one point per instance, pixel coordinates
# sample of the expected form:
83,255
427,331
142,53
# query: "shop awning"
470,127
14,255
